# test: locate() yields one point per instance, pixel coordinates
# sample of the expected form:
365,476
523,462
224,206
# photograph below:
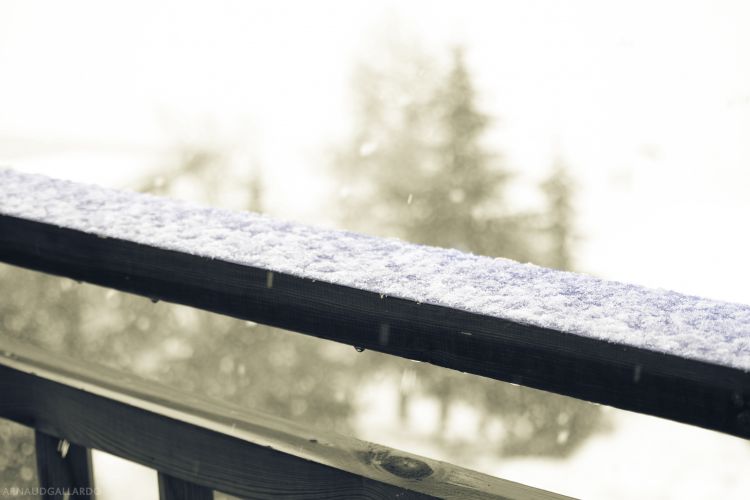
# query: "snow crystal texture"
655,319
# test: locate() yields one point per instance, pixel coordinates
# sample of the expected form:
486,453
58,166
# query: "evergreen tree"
417,169
417,166
465,185
559,215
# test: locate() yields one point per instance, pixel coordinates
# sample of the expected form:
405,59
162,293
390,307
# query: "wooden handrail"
685,390
198,441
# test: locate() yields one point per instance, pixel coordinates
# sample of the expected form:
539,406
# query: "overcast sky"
647,101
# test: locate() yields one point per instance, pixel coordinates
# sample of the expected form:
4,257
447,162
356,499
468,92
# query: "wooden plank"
172,488
216,445
685,390
63,469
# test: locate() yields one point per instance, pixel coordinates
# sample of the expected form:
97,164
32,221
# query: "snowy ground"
118,479
641,457
644,457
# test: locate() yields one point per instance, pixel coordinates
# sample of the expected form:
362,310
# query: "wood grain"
703,394
216,445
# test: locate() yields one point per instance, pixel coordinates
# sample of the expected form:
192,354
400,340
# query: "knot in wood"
405,467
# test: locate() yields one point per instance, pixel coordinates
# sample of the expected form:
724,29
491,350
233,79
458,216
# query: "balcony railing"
649,351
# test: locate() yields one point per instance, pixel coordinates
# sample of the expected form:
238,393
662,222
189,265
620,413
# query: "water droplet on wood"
384,333
62,447
637,373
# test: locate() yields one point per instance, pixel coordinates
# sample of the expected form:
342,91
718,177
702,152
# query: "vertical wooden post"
63,468
171,488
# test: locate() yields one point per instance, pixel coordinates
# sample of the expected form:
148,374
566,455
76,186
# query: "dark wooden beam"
63,469
685,390
219,446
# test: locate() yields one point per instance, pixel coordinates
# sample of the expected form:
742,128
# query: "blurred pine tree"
417,168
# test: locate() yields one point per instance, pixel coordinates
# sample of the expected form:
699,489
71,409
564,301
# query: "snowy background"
647,102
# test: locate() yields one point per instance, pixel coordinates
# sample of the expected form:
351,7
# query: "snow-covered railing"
652,351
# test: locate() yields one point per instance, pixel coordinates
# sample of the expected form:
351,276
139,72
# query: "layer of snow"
655,319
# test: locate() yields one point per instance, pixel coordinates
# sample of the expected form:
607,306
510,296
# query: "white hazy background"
648,102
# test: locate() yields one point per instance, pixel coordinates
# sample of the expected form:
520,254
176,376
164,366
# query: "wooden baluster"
172,488
63,468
